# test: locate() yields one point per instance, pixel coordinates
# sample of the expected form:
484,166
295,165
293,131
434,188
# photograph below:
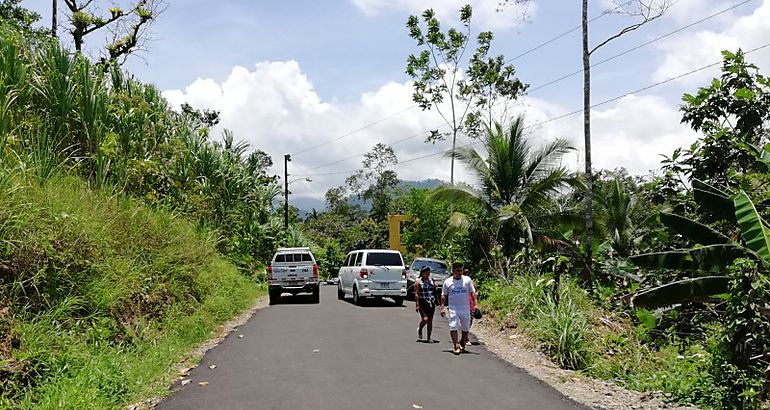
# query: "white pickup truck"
292,270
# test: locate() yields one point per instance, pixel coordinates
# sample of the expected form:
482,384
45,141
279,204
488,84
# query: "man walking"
456,296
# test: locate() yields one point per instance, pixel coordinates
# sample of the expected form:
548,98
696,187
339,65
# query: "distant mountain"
307,204
425,184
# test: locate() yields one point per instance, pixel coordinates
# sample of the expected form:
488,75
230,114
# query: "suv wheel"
340,292
274,297
399,301
356,299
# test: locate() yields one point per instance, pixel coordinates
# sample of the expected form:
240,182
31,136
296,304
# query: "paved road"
335,355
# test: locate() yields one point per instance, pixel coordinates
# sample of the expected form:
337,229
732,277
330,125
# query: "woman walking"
425,302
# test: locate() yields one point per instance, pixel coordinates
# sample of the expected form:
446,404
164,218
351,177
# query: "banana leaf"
687,290
694,231
707,259
717,201
753,228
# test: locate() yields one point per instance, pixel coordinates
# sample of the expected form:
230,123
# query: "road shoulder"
517,350
193,358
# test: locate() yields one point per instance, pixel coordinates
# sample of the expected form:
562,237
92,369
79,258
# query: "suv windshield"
433,265
384,259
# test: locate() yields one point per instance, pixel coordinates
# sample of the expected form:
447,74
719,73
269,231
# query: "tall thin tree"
646,11
54,16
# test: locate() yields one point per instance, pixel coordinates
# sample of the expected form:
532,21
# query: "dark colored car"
439,271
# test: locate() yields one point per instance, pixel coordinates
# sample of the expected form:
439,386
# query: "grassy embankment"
100,296
579,334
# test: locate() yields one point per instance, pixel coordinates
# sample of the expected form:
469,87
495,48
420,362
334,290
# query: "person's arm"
474,296
417,296
444,293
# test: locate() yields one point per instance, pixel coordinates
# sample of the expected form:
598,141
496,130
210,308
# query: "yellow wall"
394,238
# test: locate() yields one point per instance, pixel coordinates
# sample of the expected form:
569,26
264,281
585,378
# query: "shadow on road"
303,299
461,353
373,303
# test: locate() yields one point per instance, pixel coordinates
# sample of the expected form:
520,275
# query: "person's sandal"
457,350
462,346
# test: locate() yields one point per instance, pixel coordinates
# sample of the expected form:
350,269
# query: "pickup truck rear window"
384,259
293,257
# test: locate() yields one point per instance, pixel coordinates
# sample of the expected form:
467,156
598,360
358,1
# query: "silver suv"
373,273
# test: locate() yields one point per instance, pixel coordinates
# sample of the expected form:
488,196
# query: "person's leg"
454,325
465,325
430,327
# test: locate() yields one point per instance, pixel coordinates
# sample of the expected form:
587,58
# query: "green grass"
104,296
574,336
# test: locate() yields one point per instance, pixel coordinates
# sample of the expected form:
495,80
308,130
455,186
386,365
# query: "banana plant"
707,263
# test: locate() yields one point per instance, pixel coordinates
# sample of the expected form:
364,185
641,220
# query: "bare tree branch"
649,10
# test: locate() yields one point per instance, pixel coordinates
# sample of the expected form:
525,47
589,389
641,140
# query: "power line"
569,114
562,78
548,83
646,43
541,45
357,130
566,33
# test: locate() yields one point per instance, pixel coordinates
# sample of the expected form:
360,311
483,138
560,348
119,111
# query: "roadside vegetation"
674,294
128,232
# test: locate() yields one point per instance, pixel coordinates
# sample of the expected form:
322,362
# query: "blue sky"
294,74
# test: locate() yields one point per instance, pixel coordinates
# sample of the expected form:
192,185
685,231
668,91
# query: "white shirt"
458,293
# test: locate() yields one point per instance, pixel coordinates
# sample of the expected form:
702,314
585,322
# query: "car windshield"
384,259
433,265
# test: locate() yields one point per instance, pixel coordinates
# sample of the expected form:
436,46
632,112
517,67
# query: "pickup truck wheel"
340,293
317,295
356,299
274,297
399,301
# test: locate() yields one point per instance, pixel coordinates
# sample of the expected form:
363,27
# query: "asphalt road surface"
335,355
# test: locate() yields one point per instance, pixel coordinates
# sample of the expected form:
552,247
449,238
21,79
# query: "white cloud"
487,13
275,108
632,133
687,52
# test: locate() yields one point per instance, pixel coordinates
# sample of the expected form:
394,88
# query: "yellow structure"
394,237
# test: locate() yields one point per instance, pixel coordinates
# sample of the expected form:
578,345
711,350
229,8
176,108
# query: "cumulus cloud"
690,51
488,14
274,107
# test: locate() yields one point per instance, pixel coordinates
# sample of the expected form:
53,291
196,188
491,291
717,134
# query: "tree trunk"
54,16
587,135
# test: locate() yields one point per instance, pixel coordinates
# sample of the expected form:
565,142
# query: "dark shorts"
427,309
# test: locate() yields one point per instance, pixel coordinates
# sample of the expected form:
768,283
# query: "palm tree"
517,182
616,207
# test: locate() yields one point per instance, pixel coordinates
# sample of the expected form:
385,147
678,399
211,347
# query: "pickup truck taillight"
315,271
403,274
363,274
269,273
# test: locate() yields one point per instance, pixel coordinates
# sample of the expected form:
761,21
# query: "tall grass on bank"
578,335
100,296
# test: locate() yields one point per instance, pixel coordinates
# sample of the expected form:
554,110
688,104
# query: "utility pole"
54,16
286,159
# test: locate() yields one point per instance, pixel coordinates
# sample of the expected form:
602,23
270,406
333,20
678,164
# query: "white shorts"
459,320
